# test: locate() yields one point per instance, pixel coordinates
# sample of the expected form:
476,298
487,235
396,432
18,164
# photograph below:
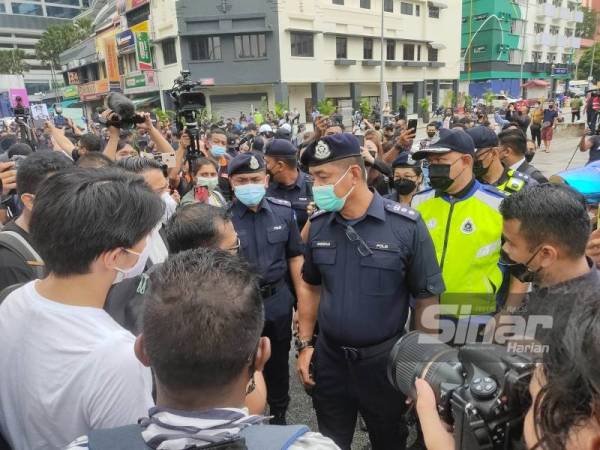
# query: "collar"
239,209
467,192
376,209
503,178
518,164
297,183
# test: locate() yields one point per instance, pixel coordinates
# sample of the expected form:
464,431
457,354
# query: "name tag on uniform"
382,246
303,199
323,244
278,227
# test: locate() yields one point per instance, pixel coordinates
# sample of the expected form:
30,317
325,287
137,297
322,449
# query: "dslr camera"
481,389
124,115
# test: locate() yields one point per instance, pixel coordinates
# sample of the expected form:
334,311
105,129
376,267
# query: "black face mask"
519,270
478,169
404,186
431,134
439,176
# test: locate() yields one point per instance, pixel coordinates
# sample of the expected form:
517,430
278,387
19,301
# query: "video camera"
482,389
124,115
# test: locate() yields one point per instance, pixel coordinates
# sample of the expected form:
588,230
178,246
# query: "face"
551,106
229,239
401,123
431,131
219,140
207,171
156,180
457,161
125,152
404,172
333,174
486,156
249,178
333,130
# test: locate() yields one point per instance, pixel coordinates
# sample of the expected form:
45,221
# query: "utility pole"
383,88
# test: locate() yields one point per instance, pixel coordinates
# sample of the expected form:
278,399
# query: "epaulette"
520,175
401,210
493,190
319,213
278,201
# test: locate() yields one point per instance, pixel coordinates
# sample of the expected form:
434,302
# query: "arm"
585,144
308,307
60,139
113,141
423,314
593,248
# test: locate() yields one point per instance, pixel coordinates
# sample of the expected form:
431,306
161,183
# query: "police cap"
455,140
405,159
331,148
281,148
246,163
483,137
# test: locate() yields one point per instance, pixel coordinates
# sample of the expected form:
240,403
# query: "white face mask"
170,206
138,267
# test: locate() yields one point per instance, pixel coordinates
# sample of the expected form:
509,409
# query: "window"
63,13
391,50
432,54
554,30
338,2
538,28
568,32
169,52
37,86
557,3
408,53
571,6
434,12
517,27
341,48
302,44
367,48
515,56
2,8
64,2
406,8
551,57
366,4
566,58
388,5
418,53
536,56
205,48
27,8
250,46
417,10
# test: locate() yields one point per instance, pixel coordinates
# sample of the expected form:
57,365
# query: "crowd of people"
153,280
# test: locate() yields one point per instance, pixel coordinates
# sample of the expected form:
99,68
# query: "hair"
344,163
199,162
515,139
37,167
215,319
94,160
138,164
90,142
194,226
216,130
550,212
570,395
433,124
79,214
19,149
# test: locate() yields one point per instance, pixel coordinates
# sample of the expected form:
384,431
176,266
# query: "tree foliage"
583,67
587,28
12,62
58,38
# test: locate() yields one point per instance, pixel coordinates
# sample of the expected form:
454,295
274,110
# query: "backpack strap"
123,438
272,437
19,245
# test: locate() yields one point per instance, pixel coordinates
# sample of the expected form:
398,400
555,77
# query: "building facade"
21,25
507,42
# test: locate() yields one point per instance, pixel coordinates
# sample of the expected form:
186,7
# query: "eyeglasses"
353,236
235,249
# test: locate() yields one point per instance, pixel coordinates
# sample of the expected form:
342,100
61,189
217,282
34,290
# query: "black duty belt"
268,290
359,353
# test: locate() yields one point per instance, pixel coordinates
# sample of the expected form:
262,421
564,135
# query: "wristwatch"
301,344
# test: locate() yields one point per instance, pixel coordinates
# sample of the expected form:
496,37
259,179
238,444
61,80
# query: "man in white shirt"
67,367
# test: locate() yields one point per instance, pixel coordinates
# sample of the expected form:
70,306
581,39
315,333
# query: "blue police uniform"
367,269
298,194
268,238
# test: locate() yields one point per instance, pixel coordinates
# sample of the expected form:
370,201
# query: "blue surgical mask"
250,194
326,198
217,151
210,183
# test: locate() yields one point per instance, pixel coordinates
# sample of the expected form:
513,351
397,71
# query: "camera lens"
419,355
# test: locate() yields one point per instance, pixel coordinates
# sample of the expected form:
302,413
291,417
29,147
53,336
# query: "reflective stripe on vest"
512,184
466,235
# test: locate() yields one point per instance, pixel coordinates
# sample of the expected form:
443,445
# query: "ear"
267,178
140,351
110,258
27,200
549,255
263,353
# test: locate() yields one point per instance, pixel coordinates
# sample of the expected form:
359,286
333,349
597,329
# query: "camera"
124,115
481,389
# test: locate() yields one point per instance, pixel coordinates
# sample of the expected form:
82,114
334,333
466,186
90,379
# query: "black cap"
246,163
483,137
455,140
331,148
258,144
281,147
405,159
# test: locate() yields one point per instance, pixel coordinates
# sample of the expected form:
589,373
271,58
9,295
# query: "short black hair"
194,226
199,162
37,167
90,142
94,160
550,212
79,214
217,130
215,319
139,164
515,139
19,149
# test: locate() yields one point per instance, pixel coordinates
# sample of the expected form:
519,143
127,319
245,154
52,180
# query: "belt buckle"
350,353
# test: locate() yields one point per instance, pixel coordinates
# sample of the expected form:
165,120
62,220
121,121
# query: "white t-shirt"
65,370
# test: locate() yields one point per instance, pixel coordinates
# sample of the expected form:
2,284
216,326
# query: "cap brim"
422,154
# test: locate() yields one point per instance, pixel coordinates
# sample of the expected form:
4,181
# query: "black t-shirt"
13,269
595,149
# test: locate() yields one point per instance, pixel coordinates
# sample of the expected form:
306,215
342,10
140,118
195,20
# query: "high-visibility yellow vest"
467,234
515,182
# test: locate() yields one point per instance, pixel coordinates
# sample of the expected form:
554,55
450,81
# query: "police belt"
268,290
360,353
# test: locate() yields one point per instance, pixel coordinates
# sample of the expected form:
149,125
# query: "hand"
244,148
321,124
311,208
184,140
147,125
366,154
405,139
303,366
8,177
437,437
593,248
49,126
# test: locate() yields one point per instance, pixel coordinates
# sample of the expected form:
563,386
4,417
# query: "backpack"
19,245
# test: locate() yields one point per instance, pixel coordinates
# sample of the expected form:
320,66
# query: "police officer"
407,179
488,167
286,181
270,242
365,257
466,226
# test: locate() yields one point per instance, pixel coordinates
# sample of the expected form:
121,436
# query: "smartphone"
412,124
168,159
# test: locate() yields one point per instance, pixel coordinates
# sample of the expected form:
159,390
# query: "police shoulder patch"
319,213
493,190
279,201
401,210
